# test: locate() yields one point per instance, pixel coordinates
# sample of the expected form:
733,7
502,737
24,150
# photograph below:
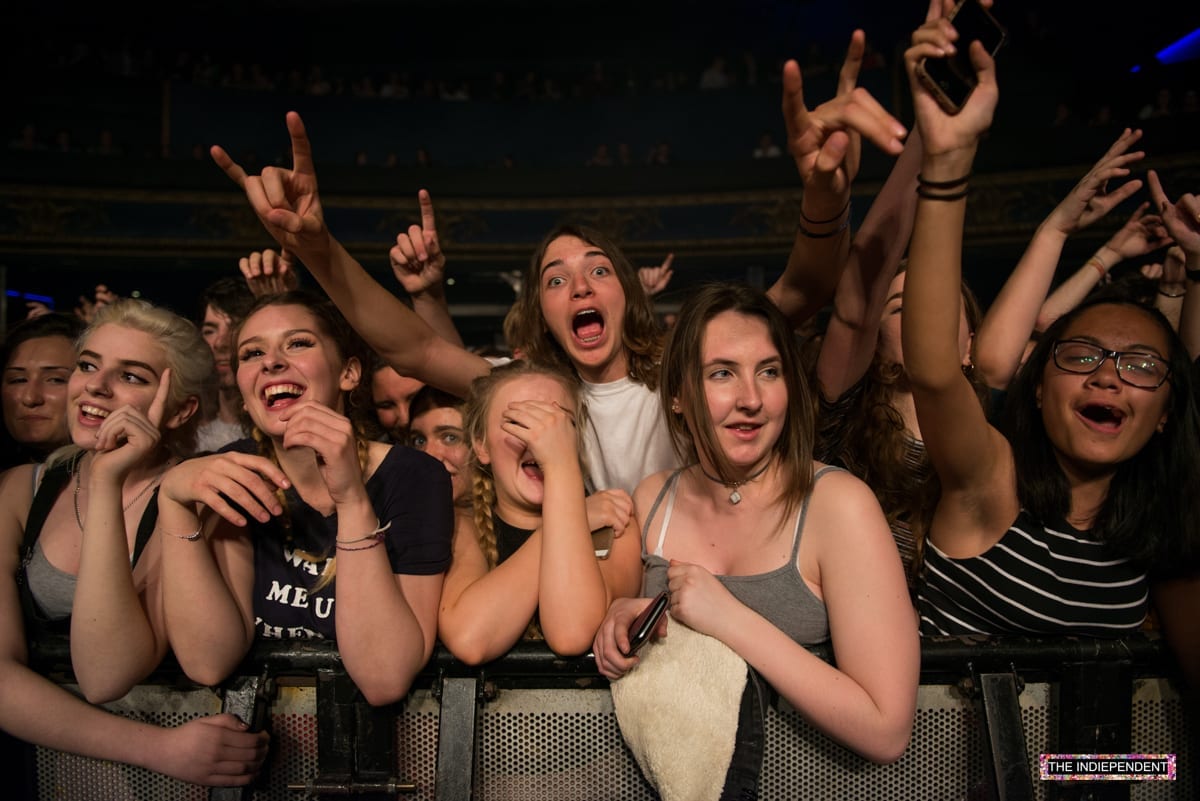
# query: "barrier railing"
533,725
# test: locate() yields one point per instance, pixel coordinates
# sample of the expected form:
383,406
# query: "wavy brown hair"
876,445
641,336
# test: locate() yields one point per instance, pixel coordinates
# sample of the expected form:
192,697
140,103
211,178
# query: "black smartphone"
952,79
644,624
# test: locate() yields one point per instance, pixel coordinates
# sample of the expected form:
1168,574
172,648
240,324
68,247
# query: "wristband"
1099,265
923,192
374,538
943,184
1172,294
1192,275
830,221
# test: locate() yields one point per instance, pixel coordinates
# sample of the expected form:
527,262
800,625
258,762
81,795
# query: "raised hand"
331,436
547,429
286,201
941,132
269,273
417,259
1181,218
128,436
35,309
655,279
1092,198
826,141
609,508
247,480
1141,234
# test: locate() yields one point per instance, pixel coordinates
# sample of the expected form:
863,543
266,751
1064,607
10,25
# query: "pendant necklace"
78,480
735,497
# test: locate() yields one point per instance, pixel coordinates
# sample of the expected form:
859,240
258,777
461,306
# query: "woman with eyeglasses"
1061,523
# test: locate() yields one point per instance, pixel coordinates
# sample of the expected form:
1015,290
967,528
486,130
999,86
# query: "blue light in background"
49,301
1184,49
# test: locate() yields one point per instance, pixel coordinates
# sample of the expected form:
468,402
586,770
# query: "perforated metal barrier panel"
564,744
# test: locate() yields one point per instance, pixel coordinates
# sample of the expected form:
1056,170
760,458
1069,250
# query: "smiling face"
35,391
518,479
391,393
439,433
117,366
216,330
744,389
285,357
583,306
1096,421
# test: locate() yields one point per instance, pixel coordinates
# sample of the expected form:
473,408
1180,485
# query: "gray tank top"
781,595
52,589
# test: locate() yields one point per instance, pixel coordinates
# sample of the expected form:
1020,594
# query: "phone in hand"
645,623
952,79
602,540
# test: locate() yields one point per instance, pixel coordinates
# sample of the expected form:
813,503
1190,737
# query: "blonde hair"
475,416
190,360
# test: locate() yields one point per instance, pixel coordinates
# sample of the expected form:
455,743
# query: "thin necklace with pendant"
735,497
79,472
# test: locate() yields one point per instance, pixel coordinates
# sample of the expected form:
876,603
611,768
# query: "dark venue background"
113,183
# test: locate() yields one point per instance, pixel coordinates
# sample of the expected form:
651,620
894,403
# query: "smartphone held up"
952,79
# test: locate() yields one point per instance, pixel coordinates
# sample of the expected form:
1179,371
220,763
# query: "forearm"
431,307
484,612
1011,318
36,710
1071,292
113,644
572,595
379,637
932,292
208,629
875,254
876,728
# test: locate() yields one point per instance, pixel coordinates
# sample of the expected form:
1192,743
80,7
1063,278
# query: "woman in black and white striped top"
1060,524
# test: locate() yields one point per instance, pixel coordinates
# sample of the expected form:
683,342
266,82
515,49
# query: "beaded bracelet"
195,535
377,536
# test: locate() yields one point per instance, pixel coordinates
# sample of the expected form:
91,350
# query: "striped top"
1035,580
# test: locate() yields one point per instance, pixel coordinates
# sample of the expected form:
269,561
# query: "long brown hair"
877,448
355,402
641,337
682,377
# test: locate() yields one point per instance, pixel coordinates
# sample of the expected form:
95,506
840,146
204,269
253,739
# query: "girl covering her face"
531,552
306,502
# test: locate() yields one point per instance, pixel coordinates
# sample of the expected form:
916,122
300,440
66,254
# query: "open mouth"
92,412
1105,418
280,394
588,326
530,468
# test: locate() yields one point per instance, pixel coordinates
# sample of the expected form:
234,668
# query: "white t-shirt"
627,437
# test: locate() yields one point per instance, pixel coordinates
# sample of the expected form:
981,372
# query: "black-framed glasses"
1136,368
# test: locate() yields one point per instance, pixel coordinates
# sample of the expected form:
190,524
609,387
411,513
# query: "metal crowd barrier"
535,726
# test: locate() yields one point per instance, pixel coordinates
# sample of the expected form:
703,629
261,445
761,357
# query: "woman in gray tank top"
762,548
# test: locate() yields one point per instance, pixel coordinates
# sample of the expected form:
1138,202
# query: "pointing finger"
231,168
426,202
155,412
